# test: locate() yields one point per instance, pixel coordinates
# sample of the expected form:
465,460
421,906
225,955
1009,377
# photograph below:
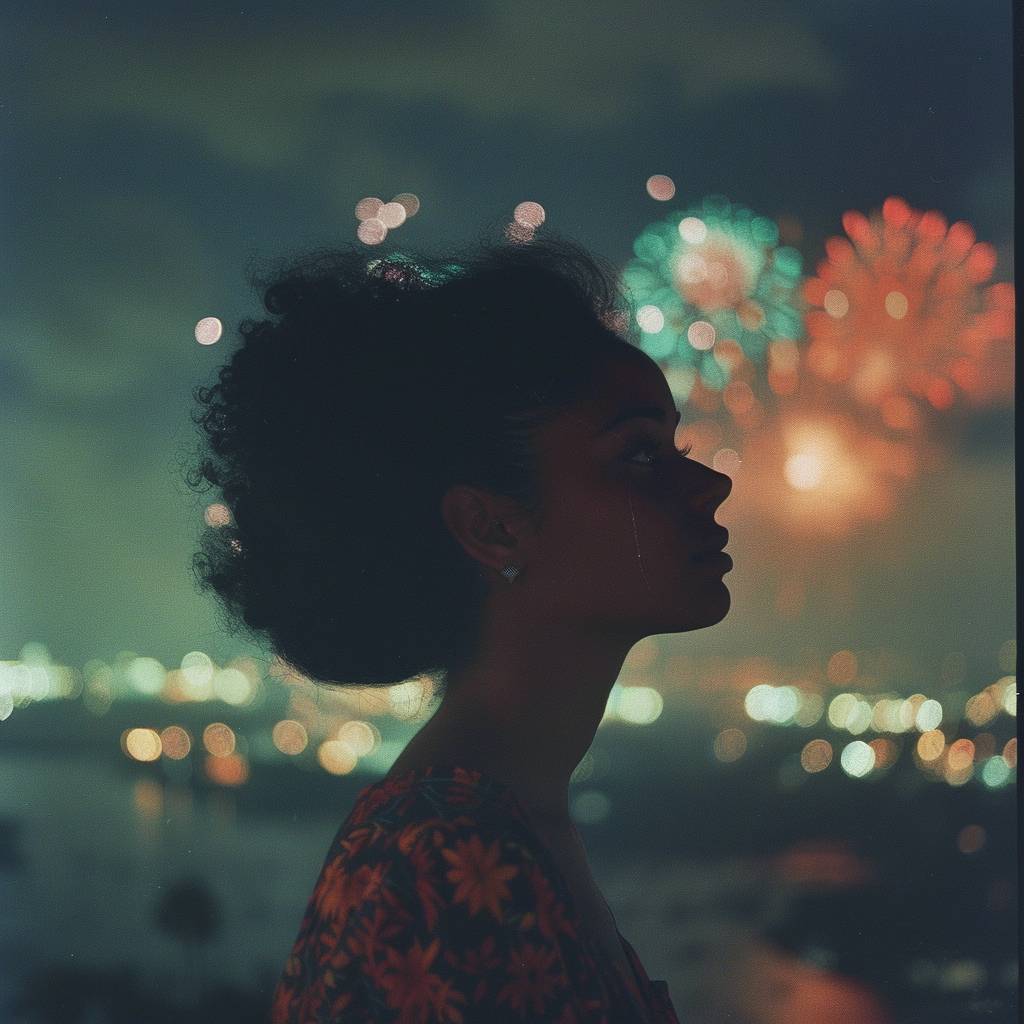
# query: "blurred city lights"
336,757
142,744
219,739
935,747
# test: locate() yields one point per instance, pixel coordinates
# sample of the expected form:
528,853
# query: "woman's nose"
716,489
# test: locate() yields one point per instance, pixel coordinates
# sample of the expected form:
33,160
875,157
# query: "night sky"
150,152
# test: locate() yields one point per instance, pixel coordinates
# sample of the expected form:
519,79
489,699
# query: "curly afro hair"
337,425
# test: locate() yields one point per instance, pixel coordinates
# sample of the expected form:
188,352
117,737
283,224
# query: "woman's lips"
714,541
718,559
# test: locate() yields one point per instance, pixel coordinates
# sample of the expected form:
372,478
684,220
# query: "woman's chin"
708,609
715,604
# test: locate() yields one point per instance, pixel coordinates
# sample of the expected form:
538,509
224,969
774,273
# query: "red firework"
902,319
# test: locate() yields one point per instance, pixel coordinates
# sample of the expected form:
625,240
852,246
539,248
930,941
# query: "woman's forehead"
620,384
623,380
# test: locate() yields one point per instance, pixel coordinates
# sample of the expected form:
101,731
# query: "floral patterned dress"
437,903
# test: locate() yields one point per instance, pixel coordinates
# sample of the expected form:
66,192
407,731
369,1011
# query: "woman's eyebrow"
654,412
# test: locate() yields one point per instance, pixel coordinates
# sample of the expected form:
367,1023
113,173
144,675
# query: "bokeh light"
641,705
392,214
217,514
661,187
529,214
208,331
336,757
219,739
372,231
175,742
290,737
410,201
359,736
816,756
227,770
730,745
141,744
651,319
368,207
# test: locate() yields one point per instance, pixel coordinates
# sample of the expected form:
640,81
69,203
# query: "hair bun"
341,419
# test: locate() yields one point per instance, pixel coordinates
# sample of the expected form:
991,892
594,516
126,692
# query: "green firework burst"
711,272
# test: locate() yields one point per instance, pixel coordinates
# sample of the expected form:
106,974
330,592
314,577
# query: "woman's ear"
477,520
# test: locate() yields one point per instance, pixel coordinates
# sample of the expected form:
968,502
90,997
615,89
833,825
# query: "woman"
456,468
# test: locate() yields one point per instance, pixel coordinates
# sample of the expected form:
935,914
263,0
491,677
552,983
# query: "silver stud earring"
510,572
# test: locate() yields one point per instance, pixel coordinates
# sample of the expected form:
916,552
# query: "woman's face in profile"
626,514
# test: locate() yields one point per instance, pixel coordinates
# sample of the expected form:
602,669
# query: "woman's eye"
654,448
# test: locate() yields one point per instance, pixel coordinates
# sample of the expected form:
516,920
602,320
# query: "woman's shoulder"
421,842
450,828
434,880
441,790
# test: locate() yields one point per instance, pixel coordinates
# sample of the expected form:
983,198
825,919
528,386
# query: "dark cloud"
251,89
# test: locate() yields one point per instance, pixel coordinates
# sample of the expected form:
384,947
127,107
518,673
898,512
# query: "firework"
708,277
901,317
808,470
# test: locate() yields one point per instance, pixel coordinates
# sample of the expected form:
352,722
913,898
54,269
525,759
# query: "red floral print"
437,904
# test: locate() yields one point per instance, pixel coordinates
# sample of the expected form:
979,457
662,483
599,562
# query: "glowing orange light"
529,215
822,862
816,756
219,739
368,207
372,231
217,514
230,770
816,471
1010,752
971,839
175,742
960,754
661,186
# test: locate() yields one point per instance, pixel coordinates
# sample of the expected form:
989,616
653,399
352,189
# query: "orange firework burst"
815,472
900,316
